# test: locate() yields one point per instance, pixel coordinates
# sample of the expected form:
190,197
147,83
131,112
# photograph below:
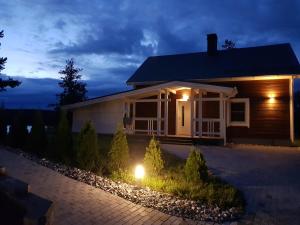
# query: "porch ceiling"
170,86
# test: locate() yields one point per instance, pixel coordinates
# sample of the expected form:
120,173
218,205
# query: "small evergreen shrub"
62,146
37,137
88,157
118,155
195,167
153,161
18,133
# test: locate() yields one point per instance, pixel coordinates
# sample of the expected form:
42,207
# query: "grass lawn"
172,179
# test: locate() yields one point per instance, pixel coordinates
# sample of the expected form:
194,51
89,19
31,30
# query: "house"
234,95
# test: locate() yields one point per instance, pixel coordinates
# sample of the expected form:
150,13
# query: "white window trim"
245,123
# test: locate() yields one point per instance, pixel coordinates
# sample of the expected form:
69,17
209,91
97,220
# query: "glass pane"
238,106
238,112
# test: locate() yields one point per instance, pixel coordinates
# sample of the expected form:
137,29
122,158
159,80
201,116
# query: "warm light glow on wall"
271,98
185,97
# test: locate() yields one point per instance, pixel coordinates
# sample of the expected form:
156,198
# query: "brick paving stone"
78,203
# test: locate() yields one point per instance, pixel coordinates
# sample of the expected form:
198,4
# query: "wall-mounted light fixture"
185,97
271,98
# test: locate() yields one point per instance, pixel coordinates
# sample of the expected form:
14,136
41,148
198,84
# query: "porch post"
158,113
200,113
192,113
133,116
222,118
166,112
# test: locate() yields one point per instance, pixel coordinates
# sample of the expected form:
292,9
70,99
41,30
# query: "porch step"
190,141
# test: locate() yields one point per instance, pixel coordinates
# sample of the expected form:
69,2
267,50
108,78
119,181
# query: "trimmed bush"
118,156
62,146
88,157
195,167
18,133
37,137
153,161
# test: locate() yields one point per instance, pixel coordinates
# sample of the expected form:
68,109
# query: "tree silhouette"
228,44
8,82
73,89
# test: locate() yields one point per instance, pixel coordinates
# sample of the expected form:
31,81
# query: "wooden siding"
267,120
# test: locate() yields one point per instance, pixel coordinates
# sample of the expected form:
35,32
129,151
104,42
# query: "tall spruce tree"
4,83
73,89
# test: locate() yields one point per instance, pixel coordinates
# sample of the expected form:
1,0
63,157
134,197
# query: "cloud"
110,39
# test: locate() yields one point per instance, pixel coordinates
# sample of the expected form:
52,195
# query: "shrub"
3,131
195,167
18,132
118,154
153,161
62,146
87,148
37,137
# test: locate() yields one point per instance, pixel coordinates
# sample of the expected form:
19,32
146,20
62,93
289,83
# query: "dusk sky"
110,39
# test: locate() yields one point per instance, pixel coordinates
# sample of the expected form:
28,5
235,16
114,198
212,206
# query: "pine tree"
18,132
228,44
119,152
195,167
153,161
62,149
88,157
8,82
37,137
73,89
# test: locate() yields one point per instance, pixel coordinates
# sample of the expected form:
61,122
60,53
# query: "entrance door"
183,118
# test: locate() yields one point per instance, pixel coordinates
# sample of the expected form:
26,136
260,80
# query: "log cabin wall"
268,120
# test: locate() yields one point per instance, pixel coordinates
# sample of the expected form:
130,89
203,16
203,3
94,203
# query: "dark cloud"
110,39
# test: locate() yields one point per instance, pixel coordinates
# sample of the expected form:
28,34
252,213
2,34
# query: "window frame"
245,123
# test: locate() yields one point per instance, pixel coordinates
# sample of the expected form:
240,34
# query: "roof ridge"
219,50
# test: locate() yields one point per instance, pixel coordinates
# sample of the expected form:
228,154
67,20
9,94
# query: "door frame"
176,118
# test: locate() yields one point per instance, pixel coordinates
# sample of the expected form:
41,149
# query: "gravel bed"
144,196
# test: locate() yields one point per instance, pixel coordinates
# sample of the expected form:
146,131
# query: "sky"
110,39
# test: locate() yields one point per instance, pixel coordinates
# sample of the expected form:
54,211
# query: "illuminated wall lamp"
185,97
271,98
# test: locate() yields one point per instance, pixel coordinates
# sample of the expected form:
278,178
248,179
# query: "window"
238,112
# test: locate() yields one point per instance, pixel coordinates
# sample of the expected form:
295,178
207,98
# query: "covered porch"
178,109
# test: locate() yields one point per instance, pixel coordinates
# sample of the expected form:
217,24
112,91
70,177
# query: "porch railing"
211,127
151,126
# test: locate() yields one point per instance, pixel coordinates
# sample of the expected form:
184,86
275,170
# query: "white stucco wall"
104,116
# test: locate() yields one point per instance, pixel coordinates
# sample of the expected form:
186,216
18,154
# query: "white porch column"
133,116
192,113
222,117
291,90
200,113
166,113
159,113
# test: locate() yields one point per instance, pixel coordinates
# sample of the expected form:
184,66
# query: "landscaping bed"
168,203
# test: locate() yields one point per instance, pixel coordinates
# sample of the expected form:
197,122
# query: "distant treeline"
50,117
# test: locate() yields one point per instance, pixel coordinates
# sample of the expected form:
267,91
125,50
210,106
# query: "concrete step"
13,186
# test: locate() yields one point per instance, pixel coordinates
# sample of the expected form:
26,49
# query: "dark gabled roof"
277,59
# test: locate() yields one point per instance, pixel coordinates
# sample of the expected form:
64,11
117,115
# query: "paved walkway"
79,203
268,176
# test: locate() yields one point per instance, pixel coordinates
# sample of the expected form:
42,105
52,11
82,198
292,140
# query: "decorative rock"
144,196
